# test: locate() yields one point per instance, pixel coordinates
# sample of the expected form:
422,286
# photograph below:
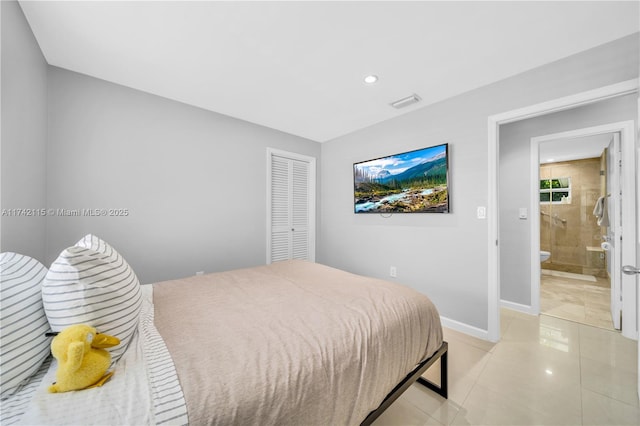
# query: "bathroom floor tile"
586,302
598,318
568,311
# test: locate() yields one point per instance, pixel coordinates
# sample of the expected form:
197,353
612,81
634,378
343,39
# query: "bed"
294,342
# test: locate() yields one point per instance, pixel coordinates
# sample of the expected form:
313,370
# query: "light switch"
523,213
482,212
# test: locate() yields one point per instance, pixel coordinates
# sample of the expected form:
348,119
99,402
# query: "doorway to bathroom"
513,243
577,177
618,200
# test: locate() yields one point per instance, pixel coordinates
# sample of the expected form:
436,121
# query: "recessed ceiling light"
370,79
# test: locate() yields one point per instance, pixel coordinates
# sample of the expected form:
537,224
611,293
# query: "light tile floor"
544,371
587,302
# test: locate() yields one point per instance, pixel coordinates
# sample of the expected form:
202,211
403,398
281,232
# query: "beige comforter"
291,343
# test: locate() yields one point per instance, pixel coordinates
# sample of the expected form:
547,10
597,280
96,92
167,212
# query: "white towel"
600,212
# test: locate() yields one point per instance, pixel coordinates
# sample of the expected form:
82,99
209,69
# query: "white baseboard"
465,328
525,309
478,332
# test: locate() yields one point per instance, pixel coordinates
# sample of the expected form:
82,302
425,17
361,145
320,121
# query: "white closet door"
280,215
299,210
291,207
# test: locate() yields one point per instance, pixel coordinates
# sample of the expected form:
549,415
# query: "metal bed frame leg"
413,377
443,389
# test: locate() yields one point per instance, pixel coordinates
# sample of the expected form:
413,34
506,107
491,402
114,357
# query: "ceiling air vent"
405,102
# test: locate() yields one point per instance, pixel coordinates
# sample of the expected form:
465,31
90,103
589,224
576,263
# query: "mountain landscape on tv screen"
421,188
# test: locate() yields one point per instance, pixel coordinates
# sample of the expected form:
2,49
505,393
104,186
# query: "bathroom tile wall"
570,231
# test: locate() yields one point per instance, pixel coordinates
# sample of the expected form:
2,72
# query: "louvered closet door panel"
292,216
300,245
280,246
300,209
280,209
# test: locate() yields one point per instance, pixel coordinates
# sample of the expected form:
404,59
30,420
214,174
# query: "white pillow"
23,324
91,283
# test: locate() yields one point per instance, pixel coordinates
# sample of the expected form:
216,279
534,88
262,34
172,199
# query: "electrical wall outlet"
393,272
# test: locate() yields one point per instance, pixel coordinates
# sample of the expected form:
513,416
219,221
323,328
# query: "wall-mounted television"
410,182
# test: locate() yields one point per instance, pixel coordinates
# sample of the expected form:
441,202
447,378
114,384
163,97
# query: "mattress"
293,342
289,343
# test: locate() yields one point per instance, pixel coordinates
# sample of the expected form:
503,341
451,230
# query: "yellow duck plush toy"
82,360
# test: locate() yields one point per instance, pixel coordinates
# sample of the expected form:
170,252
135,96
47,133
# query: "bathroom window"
555,191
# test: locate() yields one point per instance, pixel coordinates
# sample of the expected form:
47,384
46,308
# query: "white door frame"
626,130
311,194
638,235
494,121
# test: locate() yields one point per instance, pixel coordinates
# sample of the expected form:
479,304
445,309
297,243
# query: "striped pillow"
23,345
91,283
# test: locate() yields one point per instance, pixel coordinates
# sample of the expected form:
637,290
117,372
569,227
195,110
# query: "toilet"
544,255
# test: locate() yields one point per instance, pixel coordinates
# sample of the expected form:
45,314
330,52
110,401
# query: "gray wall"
444,255
194,181
23,135
515,184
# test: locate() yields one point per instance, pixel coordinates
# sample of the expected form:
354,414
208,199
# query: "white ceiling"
557,150
298,66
